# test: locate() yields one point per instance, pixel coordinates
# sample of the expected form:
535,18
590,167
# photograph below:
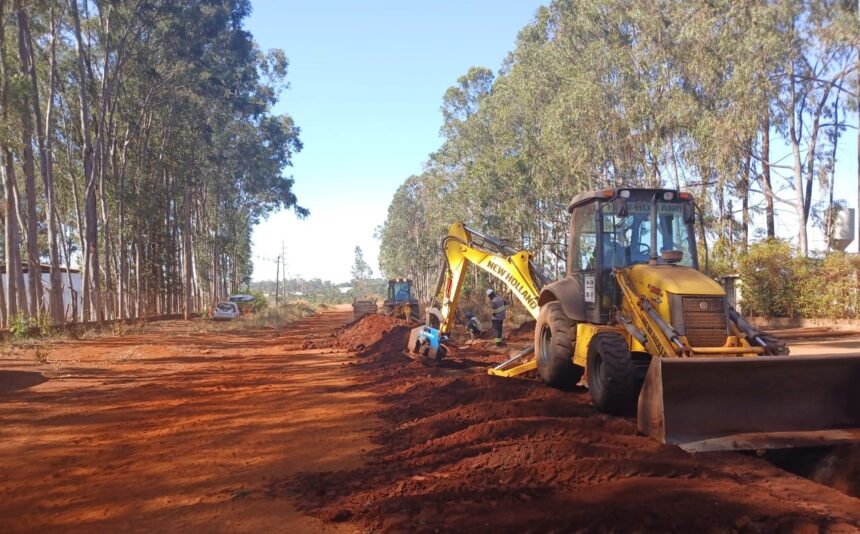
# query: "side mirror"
689,213
619,207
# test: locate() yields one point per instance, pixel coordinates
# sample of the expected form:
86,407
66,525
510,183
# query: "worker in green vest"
473,325
497,304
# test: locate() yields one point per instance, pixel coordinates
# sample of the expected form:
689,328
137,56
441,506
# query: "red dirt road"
253,431
175,431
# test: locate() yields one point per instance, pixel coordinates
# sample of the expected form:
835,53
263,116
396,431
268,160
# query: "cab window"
627,240
583,253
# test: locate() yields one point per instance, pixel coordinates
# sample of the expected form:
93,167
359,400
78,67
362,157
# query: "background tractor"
401,303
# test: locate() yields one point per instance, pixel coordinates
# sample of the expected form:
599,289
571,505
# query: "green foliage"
43,323
831,290
261,301
315,290
181,114
19,326
608,93
361,270
361,273
769,275
780,282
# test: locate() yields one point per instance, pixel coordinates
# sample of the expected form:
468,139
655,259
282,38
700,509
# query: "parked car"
225,311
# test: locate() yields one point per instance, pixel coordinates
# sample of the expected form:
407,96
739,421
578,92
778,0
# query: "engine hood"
675,279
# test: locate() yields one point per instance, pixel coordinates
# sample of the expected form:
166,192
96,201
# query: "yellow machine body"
511,267
512,271
709,380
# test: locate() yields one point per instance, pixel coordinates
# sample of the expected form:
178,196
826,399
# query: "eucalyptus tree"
151,125
598,93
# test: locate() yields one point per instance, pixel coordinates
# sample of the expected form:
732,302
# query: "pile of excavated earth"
464,450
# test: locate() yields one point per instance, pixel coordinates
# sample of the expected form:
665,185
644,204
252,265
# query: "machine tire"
555,334
611,378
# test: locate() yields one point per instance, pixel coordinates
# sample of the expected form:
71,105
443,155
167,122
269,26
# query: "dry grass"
271,317
277,317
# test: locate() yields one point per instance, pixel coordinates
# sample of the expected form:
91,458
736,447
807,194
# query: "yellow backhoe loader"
651,334
462,246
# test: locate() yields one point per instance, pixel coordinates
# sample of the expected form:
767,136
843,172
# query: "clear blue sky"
367,80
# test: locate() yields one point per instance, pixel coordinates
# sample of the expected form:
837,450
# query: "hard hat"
490,292
469,315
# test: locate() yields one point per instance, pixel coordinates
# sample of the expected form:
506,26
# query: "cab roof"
607,194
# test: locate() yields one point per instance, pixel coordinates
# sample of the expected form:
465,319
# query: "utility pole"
277,279
286,290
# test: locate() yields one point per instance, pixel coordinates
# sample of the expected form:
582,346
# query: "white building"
72,296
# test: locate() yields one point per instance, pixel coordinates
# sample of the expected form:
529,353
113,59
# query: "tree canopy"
603,93
150,126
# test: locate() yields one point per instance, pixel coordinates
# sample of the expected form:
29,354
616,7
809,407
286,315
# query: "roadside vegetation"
138,141
783,283
277,316
743,104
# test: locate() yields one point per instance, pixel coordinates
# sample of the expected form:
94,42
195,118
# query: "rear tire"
611,379
555,335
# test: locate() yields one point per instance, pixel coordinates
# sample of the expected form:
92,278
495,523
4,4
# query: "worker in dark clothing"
498,305
473,325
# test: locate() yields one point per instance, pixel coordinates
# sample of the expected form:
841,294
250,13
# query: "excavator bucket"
746,403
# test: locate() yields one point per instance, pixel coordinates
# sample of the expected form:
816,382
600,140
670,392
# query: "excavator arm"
463,246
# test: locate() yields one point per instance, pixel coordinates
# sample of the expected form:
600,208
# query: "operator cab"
400,290
613,229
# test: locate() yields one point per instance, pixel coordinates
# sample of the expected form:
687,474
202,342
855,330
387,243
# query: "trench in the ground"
837,467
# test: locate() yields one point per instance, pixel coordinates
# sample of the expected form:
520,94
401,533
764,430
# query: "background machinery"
652,335
401,302
464,245
361,307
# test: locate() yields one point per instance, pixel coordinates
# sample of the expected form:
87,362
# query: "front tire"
555,335
611,375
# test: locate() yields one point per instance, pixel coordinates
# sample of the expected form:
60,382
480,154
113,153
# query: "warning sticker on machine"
589,288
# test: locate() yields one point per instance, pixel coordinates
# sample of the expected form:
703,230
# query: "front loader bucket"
710,404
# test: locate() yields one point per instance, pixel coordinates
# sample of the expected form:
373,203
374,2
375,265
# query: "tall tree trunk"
45,139
3,319
745,200
794,140
186,251
73,293
7,170
123,289
34,269
91,256
765,165
12,239
138,288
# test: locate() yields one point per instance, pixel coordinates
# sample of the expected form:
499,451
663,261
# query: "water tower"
842,232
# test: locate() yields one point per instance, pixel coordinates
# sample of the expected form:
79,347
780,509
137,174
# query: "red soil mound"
461,450
525,332
378,338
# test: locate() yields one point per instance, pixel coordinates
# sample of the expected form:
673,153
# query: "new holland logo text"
514,283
